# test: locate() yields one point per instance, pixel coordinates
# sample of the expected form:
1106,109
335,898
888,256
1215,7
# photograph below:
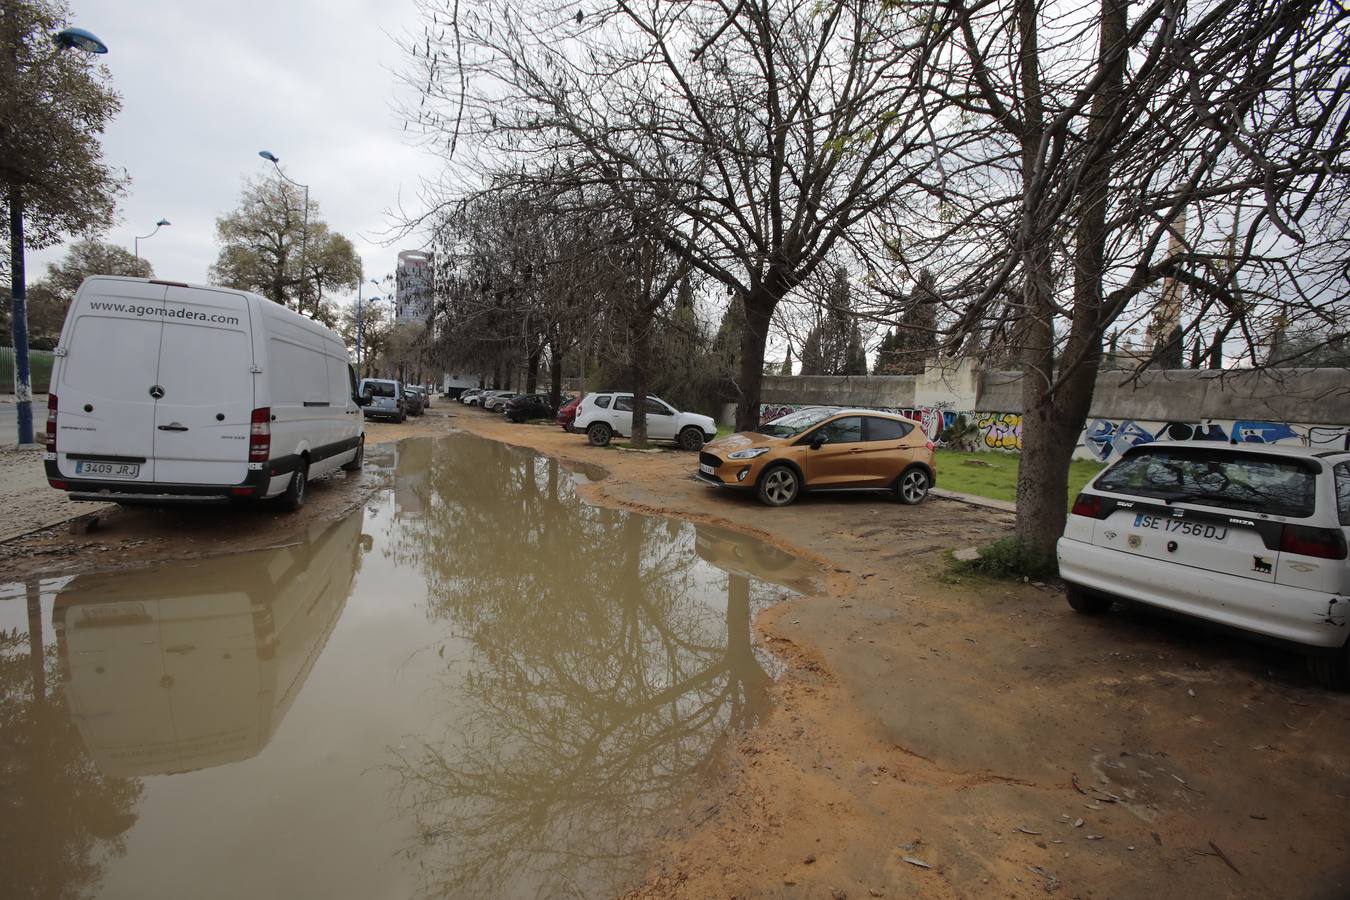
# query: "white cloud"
207,84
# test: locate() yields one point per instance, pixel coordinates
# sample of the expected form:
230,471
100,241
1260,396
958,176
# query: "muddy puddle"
476,686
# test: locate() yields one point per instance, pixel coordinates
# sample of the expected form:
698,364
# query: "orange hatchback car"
824,448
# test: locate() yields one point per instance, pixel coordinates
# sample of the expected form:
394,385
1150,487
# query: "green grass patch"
1007,558
994,474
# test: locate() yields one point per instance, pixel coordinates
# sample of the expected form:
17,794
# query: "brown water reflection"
503,699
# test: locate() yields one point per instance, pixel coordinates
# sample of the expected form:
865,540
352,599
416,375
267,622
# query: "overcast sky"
206,84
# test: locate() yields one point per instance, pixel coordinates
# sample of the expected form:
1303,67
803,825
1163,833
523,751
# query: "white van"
168,392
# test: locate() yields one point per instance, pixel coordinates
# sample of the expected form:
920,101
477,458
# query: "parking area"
966,736
985,730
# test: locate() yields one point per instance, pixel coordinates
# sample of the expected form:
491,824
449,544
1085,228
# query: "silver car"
494,400
387,400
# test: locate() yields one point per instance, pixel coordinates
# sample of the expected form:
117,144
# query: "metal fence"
39,362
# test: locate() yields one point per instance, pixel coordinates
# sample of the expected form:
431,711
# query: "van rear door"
205,370
105,379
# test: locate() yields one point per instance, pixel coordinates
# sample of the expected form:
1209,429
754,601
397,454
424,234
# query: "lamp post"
136,247
66,39
304,234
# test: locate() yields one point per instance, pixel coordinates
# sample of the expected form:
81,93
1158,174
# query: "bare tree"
1102,130
771,129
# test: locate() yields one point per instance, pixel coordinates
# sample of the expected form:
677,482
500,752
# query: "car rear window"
1216,477
879,429
379,389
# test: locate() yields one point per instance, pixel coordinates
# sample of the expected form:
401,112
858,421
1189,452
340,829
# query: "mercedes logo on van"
156,391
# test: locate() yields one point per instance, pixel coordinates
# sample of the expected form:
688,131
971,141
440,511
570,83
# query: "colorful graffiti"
993,431
1000,431
1102,439
1106,439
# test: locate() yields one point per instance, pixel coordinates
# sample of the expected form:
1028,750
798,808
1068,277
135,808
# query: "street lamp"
145,237
79,39
304,234
361,318
66,39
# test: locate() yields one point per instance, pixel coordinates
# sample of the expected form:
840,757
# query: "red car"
567,413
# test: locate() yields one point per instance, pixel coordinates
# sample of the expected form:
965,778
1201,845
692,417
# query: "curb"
973,500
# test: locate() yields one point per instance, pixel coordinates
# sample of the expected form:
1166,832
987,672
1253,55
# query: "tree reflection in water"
60,819
606,670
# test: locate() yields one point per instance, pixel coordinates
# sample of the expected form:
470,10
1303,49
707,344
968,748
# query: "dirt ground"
931,737
944,739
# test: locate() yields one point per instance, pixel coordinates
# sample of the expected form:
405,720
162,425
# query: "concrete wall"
950,384
1310,407
1315,396
837,390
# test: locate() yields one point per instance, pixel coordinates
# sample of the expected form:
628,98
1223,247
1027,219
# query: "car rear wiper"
1194,498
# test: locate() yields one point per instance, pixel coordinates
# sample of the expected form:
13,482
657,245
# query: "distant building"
413,280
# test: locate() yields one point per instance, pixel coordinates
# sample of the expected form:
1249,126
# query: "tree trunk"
759,306
1038,471
532,373
638,344
1053,415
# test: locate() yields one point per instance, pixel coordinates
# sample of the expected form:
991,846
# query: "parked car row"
393,400
601,416
516,407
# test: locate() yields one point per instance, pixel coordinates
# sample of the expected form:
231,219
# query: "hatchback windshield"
794,423
1215,477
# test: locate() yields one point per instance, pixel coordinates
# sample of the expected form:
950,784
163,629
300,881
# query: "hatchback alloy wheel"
913,486
779,486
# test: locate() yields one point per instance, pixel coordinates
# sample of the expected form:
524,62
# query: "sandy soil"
932,737
947,739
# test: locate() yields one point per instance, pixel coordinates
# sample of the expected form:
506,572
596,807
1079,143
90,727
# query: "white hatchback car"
603,415
1249,536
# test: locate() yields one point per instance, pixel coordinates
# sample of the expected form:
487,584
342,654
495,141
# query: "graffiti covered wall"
1106,439
980,410
1103,439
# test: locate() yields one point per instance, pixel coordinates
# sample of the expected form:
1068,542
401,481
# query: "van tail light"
1325,543
51,423
1089,505
260,435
